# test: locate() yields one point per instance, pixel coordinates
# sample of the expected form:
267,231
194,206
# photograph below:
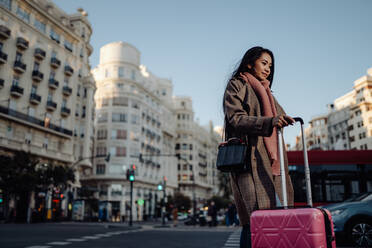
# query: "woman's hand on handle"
281,121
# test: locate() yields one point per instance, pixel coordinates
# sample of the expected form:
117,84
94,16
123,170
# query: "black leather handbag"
231,156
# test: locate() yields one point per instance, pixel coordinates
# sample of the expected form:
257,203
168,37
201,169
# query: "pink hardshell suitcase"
293,227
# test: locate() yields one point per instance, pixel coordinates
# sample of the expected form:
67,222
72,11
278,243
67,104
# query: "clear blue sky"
320,47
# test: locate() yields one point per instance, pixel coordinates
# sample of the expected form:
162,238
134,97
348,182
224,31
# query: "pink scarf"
262,90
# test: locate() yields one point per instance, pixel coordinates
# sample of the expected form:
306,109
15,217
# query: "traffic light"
160,187
131,173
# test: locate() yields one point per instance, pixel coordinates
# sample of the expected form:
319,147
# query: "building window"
190,146
82,52
119,117
23,14
78,90
83,112
105,101
133,75
39,25
68,45
101,150
121,151
102,134
33,89
121,72
102,117
107,74
120,101
135,119
54,36
100,170
85,92
177,146
83,32
6,4
15,81
119,134
18,57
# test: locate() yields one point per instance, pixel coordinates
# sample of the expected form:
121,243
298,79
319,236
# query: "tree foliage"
24,173
182,202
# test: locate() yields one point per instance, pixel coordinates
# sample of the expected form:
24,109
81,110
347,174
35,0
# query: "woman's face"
262,66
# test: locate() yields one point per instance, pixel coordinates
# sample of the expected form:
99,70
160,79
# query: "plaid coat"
256,188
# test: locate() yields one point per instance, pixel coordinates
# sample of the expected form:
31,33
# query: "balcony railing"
34,120
68,70
22,43
53,83
55,63
3,57
19,67
4,32
37,76
39,53
65,111
51,105
35,98
66,90
16,91
1,83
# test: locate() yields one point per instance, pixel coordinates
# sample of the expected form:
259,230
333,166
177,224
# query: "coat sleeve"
236,108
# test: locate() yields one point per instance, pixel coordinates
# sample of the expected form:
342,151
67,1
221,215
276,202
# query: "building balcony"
39,53
65,111
53,84
37,76
16,91
35,98
68,70
22,43
4,32
55,63
19,67
66,90
51,105
3,58
1,83
40,123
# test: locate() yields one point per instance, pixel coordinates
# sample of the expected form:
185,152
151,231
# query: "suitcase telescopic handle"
306,164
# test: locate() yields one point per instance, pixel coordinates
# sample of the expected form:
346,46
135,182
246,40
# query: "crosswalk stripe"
75,240
90,237
59,243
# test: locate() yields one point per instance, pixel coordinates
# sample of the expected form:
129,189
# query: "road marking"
90,237
233,240
75,240
59,243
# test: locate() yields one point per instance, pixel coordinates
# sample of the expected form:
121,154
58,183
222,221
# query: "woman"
253,114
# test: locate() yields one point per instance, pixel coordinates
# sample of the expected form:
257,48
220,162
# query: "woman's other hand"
281,121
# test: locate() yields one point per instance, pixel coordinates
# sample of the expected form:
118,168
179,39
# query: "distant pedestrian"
252,114
212,212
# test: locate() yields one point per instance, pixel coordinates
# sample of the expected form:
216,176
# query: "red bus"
335,175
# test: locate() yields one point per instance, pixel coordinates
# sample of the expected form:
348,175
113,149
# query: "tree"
180,200
224,185
219,201
23,173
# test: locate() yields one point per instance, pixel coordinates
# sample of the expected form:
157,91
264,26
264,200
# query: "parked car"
352,219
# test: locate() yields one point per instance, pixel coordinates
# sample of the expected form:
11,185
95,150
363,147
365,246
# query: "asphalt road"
49,235
96,235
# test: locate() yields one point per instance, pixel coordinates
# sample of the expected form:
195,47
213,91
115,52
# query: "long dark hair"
250,58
